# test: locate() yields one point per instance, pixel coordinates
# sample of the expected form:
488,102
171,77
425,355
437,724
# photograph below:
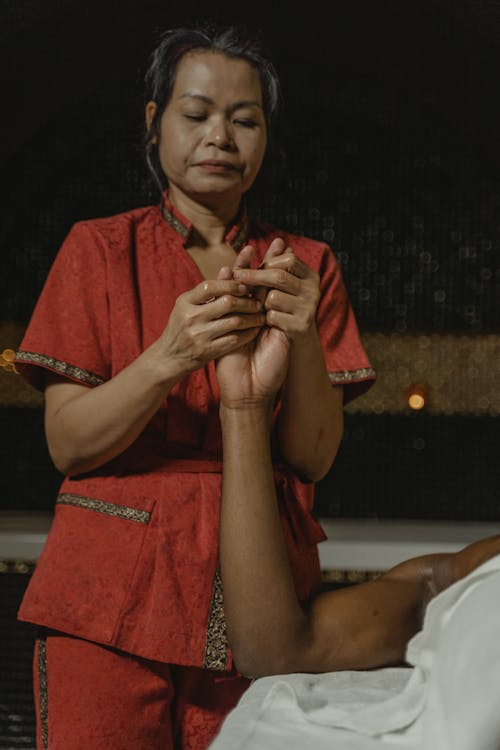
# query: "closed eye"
246,123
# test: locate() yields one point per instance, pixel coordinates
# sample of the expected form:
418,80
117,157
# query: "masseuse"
132,653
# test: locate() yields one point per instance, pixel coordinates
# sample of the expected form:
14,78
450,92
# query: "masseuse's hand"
292,289
253,373
215,317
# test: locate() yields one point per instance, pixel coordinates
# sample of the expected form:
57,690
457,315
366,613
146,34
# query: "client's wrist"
249,404
246,410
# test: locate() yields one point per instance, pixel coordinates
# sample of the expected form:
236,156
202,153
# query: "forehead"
217,76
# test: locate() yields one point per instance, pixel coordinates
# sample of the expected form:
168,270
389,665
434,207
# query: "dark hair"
233,41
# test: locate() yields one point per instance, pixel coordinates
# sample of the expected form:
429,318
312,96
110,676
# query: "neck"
209,221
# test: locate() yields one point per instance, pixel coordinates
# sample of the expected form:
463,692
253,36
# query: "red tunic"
131,559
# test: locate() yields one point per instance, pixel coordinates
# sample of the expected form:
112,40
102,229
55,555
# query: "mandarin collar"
236,235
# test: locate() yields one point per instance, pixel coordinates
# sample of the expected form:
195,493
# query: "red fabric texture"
131,558
92,697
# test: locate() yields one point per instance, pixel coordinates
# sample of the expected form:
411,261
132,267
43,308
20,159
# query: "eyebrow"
207,100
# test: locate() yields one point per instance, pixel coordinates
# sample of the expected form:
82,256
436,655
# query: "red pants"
90,697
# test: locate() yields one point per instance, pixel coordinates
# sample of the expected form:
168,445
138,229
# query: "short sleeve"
345,357
68,332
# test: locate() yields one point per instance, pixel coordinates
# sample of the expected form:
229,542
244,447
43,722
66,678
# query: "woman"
122,341
270,631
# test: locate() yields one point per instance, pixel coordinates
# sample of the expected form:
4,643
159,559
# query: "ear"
150,112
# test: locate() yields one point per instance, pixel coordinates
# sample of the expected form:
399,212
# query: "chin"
217,193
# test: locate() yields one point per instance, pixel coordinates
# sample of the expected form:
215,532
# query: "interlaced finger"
230,305
276,248
234,323
244,257
272,278
212,289
277,300
289,262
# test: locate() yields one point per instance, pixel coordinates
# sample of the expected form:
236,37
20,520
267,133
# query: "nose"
220,136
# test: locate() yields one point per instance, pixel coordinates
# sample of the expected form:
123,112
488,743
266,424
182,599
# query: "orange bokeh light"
416,396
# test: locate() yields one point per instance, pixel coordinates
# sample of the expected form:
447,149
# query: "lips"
217,165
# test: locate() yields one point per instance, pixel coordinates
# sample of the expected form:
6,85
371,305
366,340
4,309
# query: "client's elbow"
261,665
269,658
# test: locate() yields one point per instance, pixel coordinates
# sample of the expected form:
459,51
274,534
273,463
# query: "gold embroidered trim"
349,376
241,237
216,645
43,697
175,223
17,566
101,506
61,367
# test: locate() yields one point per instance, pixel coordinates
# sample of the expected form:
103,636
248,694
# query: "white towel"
458,652
447,699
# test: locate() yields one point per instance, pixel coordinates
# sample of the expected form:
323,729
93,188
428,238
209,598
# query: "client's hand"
254,372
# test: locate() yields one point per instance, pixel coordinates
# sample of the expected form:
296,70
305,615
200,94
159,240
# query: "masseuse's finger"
243,261
289,262
276,248
282,302
272,278
228,305
211,289
281,256
244,257
225,273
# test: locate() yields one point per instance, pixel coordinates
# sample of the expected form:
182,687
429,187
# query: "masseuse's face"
213,132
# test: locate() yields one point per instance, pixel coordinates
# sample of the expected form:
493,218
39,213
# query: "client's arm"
360,627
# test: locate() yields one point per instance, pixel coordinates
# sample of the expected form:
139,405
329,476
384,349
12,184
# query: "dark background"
391,153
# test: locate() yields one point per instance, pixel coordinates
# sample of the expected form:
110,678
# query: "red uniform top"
131,559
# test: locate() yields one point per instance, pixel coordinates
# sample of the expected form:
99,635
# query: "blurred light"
7,358
416,397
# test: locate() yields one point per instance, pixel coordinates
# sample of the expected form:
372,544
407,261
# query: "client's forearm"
266,624
360,627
